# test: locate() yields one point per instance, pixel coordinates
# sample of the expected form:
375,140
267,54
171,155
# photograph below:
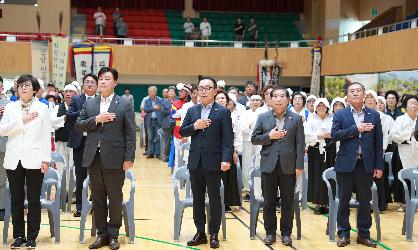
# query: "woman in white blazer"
27,124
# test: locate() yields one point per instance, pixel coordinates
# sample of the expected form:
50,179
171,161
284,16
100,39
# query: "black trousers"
269,184
360,181
33,178
200,180
80,172
106,184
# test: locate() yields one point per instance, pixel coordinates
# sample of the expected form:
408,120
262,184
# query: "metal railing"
407,24
159,41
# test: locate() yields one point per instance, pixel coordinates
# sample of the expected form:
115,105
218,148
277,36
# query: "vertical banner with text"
316,71
82,61
40,60
59,60
102,57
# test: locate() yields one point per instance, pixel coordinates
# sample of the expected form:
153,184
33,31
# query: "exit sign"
374,12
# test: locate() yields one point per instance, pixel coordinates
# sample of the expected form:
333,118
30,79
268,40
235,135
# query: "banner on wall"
82,60
88,58
102,57
40,60
264,73
59,60
316,71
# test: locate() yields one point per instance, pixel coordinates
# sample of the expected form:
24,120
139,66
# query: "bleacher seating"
270,26
141,23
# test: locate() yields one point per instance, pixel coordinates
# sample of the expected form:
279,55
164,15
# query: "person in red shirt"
184,93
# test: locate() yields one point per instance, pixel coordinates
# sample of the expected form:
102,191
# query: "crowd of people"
393,127
226,128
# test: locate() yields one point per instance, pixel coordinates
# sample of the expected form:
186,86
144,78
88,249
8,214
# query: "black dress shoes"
198,239
77,213
214,242
114,244
366,242
101,241
270,239
343,241
286,240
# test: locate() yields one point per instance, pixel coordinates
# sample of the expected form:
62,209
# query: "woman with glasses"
27,124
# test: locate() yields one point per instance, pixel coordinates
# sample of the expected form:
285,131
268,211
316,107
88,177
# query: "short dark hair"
392,92
210,79
1,79
50,85
221,91
127,89
279,87
232,88
407,98
349,84
251,83
113,71
299,93
92,76
194,87
35,83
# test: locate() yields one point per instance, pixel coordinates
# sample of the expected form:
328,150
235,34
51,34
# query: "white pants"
248,152
67,153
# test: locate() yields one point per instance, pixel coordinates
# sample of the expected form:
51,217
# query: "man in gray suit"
109,151
3,101
280,132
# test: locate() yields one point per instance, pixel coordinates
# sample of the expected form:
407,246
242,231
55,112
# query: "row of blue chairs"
52,180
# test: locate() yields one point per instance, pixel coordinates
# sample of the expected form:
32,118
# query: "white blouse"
402,131
314,127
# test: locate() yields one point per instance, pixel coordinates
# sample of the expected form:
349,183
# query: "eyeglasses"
204,88
87,82
26,85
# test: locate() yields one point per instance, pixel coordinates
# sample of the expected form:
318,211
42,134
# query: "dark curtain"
132,4
282,6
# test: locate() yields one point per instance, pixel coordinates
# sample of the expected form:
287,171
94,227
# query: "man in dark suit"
250,89
153,121
77,140
109,151
210,127
280,132
359,159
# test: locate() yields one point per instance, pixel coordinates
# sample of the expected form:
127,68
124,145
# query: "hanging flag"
59,60
102,57
264,73
82,60
40,60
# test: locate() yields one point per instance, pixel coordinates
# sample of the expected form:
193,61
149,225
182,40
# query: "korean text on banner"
59,60
40,60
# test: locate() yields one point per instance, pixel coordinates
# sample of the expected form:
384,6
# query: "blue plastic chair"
141,135
128,210
329,174
183,148
162,142
66,198
411,201
182,175
257,202
51,178
240,182
388,159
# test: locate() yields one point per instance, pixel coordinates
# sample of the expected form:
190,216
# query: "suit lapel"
96,105
367,116
198,111
350,116
213,111
113,104
287,121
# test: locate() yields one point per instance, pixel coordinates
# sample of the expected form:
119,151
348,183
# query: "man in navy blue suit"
210,126
77,140
359,159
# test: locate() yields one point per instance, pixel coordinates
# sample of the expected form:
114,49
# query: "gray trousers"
3,179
